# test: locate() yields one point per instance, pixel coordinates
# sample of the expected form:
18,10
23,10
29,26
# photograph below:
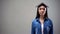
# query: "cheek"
44,13
39,11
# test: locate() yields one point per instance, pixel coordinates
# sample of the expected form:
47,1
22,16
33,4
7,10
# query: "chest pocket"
48,27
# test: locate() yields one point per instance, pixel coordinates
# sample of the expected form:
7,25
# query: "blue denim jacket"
36,26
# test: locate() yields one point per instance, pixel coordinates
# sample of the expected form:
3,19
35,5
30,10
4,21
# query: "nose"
42,10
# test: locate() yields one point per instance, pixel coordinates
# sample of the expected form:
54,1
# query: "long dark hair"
38,15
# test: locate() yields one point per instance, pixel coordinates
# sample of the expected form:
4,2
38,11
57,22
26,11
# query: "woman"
42,24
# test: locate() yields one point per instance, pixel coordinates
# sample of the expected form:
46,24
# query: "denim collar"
37,19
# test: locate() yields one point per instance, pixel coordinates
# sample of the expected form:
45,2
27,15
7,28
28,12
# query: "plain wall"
17,15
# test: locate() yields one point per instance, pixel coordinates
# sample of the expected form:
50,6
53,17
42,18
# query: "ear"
45,9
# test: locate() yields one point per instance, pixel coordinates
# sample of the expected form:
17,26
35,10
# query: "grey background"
16,16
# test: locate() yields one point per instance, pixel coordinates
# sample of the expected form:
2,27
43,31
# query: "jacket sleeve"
51,29
32,28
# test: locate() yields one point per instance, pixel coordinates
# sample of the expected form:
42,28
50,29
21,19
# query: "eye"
42,8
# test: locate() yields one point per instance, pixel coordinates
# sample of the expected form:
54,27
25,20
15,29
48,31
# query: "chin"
41,14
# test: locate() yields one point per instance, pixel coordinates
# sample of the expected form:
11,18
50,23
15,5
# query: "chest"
46,26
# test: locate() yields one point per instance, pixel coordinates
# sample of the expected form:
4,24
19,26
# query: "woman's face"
42,10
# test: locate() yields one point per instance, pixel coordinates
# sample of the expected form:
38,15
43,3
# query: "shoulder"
49,21
34,22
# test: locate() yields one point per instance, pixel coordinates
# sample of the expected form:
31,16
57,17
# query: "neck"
42,17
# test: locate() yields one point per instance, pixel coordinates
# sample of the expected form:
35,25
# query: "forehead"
42,7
